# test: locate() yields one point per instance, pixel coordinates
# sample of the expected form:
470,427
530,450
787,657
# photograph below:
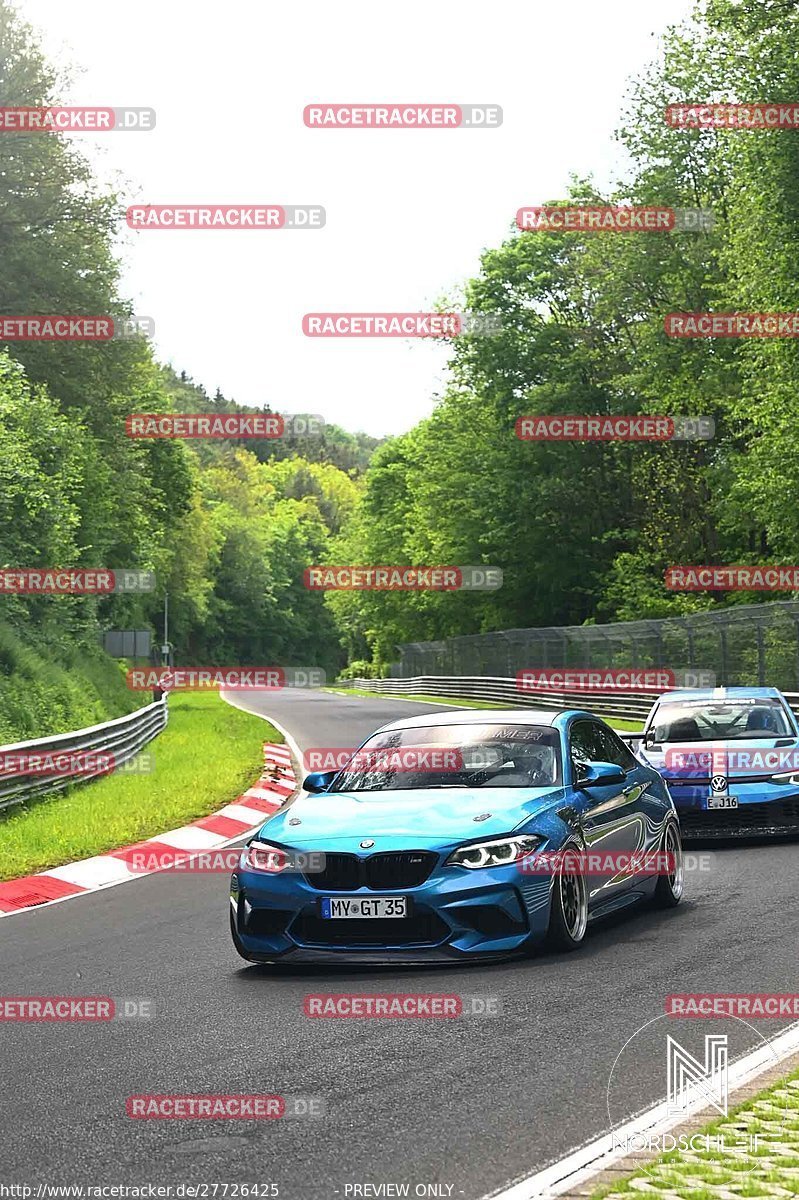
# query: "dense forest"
582,531
585,530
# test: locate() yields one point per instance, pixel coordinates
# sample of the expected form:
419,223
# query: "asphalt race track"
470,1104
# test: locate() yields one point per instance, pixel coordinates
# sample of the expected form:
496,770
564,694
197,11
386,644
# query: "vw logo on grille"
366,844
718,783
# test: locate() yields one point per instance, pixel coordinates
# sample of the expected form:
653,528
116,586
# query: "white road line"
295,750
579,1165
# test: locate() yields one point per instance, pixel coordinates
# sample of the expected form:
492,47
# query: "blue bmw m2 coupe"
425,846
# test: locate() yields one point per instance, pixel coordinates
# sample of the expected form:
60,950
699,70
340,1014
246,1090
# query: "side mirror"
318,781
601,774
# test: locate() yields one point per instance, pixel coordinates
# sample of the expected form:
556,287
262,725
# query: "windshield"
454,756
708,720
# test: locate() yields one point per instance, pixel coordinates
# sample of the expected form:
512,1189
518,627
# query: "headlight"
494,854
260,856
786,777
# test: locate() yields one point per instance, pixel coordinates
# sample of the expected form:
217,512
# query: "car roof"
478,716
490,716
722,693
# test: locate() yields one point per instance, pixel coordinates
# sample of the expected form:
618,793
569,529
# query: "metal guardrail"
122,738
624,706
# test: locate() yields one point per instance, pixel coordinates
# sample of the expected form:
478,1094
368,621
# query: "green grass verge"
51,683
206,757
730,1167
458,702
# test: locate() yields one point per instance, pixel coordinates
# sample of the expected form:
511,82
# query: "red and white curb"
249,811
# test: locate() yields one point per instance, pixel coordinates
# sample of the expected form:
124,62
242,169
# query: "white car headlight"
786,777
260,856
498,853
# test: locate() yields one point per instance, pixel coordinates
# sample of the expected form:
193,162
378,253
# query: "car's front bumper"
764,809
455,914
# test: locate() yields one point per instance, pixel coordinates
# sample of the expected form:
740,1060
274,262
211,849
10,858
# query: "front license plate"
722,802
364,906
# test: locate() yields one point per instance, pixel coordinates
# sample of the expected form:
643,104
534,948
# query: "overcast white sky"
408,212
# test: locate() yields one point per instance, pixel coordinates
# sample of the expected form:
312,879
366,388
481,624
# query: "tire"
568,916
669,888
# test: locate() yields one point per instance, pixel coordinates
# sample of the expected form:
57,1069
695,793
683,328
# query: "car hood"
429,814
